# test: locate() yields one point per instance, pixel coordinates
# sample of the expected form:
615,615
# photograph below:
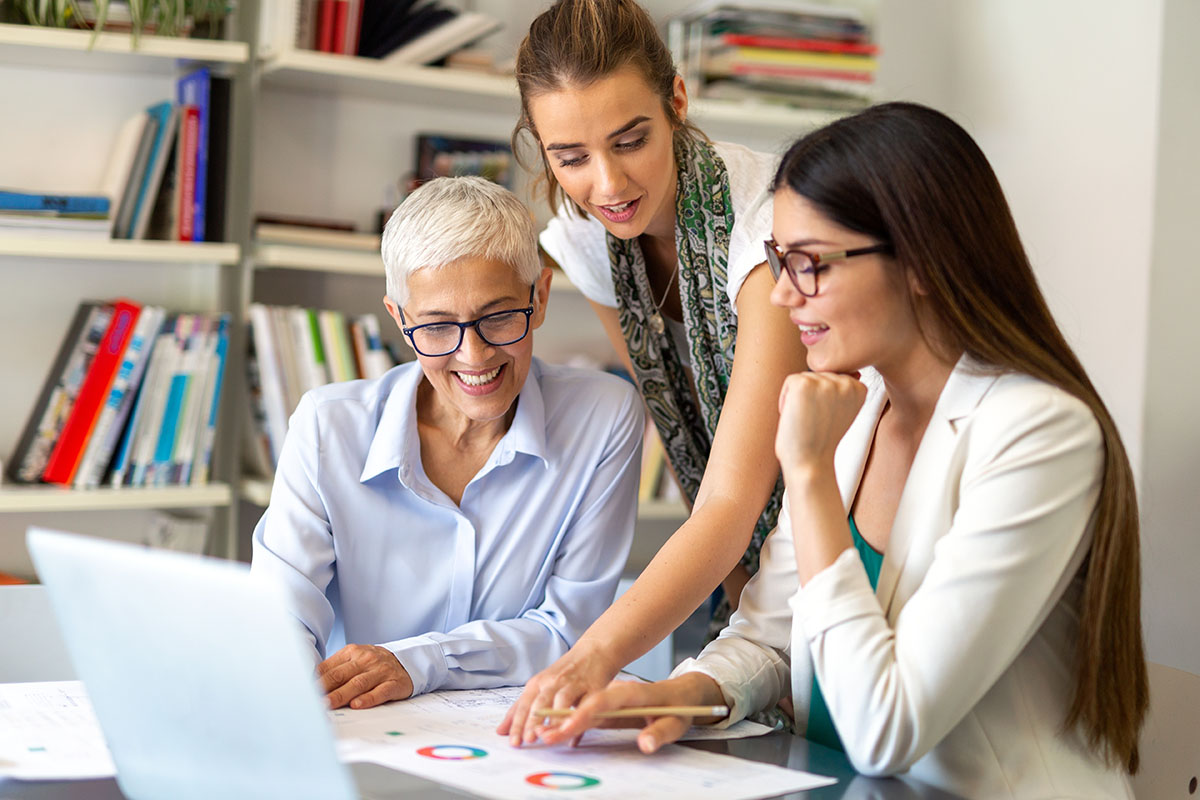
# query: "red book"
68,450
783,71
812,45
189,145
325,25
341,14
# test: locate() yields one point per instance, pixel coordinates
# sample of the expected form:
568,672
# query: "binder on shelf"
68,450
123,220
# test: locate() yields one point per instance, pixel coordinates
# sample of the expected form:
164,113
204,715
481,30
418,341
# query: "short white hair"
448,219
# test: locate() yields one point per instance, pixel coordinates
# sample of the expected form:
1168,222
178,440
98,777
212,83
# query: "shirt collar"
396,442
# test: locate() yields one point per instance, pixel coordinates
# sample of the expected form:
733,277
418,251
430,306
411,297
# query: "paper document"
449,737
49,731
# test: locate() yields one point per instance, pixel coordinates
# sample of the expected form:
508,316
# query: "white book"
198,367
208,422
120,165
313,373
154,397
270,375
285,342
376,361
444,39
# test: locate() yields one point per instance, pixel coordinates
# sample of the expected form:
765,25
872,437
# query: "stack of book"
311,232
131,400
769,51
165,178
67,215
399,31
295,349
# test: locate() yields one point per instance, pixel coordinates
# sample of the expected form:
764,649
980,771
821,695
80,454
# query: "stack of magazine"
771,51
130,400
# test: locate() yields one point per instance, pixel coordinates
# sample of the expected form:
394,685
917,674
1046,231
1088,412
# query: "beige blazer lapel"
927,503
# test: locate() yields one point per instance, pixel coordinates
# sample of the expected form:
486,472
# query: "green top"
820,724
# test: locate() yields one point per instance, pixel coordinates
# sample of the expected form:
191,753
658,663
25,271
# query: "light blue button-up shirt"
485,593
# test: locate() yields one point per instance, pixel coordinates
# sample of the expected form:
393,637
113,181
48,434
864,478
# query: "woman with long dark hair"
953,589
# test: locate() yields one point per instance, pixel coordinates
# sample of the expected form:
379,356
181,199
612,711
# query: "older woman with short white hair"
458,522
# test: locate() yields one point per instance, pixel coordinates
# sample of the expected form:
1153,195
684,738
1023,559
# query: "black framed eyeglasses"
434,339
803,268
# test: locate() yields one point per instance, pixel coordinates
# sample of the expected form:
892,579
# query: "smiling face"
862,314
610,146
478,382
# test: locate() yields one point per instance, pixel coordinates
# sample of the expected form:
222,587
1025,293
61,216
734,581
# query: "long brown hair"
909,175
577,42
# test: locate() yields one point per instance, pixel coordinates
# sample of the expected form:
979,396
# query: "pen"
642,711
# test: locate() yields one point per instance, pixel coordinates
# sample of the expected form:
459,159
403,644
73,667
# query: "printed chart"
449,737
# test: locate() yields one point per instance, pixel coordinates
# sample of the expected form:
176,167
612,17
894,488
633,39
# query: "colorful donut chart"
562,780
451,752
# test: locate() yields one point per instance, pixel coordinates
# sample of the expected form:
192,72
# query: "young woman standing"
662,231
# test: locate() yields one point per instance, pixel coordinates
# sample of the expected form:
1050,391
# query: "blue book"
193,90
90,205
160,149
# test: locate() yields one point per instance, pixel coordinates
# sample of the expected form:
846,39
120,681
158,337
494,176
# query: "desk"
380,783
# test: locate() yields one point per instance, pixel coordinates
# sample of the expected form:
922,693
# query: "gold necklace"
656,321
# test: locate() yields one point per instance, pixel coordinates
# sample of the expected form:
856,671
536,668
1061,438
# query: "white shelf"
348,262
256,491
57,48
321,259
121,250
58,498
372,78
797,120
353,76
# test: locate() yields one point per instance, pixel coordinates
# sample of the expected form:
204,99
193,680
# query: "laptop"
201,681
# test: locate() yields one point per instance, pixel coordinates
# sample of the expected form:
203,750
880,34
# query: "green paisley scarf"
704,218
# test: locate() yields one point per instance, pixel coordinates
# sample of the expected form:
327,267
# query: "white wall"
1171,451
1089,112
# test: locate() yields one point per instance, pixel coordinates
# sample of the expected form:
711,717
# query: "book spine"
195,89
103,439
785,43
25,466
341,14
325,15
208,432
55,203
123,464
68,451
160,151
166,355
177,389
189,139
270,374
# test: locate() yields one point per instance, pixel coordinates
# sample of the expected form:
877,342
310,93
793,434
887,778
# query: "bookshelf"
130,250
53,48
351,76
38,499
65,94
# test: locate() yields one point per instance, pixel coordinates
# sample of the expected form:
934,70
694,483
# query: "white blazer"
957,668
